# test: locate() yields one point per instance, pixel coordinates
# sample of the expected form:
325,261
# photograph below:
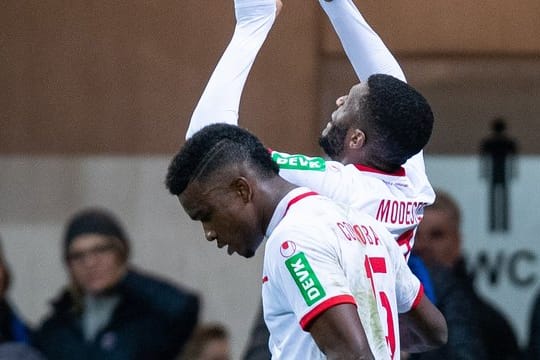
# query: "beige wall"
465,94
453,27
123,77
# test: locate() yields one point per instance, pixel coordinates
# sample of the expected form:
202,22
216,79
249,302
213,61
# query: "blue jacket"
12,328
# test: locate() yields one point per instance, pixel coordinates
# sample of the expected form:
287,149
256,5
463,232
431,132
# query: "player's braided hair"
214,147
400,119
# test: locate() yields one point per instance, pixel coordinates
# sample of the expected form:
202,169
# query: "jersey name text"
399,212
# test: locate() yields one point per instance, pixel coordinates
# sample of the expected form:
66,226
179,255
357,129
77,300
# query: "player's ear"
358,139
242,188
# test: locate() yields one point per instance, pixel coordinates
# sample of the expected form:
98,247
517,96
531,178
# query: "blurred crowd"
110,309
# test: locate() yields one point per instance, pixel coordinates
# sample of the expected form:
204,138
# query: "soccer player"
331,268
375,137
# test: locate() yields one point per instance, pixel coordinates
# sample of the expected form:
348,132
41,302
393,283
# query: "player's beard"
333,143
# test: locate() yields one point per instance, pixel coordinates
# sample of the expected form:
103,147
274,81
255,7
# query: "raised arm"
364,48
221,97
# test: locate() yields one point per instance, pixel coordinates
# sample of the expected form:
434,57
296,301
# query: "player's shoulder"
312,214
319,209
310,219
361,217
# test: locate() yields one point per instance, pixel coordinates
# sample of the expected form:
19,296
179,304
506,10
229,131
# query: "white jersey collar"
284,204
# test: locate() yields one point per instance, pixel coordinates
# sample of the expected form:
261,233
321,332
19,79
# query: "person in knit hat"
96,250
110,310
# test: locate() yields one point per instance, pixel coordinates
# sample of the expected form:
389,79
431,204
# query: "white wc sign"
505,265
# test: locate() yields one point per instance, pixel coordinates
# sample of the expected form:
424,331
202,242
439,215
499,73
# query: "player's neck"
370,162
273,191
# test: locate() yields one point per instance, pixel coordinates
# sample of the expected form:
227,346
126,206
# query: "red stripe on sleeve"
322,307
419,297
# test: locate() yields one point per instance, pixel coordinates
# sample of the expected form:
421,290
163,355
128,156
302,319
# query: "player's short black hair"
214,147
399,118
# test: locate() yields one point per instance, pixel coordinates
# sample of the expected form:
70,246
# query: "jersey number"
378,265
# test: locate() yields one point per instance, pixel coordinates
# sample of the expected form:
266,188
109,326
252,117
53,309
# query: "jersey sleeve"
366,51
328,178
220,100
309,274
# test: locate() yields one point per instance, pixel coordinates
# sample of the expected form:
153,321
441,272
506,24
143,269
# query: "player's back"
396,200
344,256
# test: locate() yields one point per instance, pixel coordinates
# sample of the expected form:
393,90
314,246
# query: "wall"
77,76
123,77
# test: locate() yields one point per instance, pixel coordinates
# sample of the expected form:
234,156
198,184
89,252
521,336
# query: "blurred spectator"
533,350
12,328
438,243
14,333
209,342
457,304
110,311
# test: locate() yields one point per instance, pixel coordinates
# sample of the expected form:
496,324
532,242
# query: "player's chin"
247,253
248,249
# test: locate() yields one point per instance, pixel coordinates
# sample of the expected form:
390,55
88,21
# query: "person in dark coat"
438,243
110,310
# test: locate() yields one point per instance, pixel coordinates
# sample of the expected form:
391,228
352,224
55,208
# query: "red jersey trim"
398,172
298,198
405,239
306,321
378,264
419,297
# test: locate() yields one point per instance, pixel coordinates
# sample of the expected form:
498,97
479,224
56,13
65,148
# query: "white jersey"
321,254
396,200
